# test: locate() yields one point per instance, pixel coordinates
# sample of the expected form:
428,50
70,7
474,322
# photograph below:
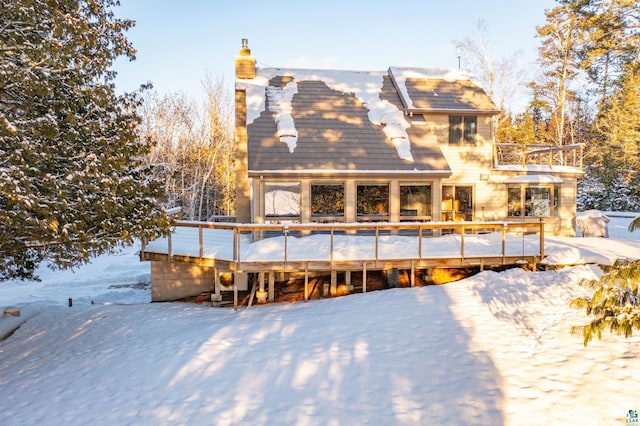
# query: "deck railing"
243,233
536,154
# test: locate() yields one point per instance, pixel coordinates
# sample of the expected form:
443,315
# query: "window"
282,199
415,202
457,203
514,201
462,128
373,200
327,200
537,201
533,201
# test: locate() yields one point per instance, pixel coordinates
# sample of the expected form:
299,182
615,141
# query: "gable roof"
327,122
439,90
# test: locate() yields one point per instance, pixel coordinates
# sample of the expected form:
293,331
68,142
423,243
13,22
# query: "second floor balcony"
552,156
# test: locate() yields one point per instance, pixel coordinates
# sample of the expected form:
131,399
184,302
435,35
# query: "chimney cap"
244,50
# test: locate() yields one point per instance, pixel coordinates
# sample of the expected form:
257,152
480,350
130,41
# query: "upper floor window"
463,129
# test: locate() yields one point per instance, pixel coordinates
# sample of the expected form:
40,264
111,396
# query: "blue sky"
179,42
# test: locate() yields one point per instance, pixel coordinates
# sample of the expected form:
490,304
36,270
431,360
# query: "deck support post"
413,274
347,279
235,295
216,296
306,282
364,277
272,286
334,283
261,295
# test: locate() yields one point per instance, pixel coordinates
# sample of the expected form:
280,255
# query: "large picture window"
327,201
282,199
533,201
462,129
415,202
373,201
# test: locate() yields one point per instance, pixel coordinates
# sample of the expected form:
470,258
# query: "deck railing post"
331,248
169,247
420,243
462,243
200,243
236,247
285,230
541,239
377,244
504,237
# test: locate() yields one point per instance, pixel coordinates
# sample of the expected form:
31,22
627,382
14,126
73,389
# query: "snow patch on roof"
280,103
365,86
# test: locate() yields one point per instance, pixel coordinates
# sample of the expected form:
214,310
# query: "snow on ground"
489,350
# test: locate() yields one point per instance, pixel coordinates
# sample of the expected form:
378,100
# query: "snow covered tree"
616,149
614,304
194,150
72,177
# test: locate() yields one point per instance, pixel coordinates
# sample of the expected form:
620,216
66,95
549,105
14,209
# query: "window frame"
379,216
526,204
453,207
427,214
287,217
337,216
463,129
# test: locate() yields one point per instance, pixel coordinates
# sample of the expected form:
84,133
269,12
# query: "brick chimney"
245,63
245,70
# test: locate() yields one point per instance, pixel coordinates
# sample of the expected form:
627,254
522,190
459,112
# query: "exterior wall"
243,190
467,161
176,280
471,165
492,195
567,211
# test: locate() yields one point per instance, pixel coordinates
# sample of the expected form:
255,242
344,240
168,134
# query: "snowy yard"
493,349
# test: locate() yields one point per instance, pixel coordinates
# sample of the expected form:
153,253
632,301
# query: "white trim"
534,179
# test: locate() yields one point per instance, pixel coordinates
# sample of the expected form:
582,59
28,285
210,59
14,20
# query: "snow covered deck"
340,246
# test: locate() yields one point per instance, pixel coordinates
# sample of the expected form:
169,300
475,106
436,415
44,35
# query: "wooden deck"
224,246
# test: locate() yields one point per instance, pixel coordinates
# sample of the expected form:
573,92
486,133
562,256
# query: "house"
405,144
350,151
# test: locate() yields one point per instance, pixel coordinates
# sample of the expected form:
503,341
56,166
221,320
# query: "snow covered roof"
305,120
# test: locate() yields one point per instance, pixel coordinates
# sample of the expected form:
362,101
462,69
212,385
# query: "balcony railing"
514,154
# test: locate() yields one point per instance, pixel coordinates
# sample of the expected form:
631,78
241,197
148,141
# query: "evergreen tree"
558,58
615,301
72,181
615,151
614,304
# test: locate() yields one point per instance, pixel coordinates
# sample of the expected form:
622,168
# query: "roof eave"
372,174
426,111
